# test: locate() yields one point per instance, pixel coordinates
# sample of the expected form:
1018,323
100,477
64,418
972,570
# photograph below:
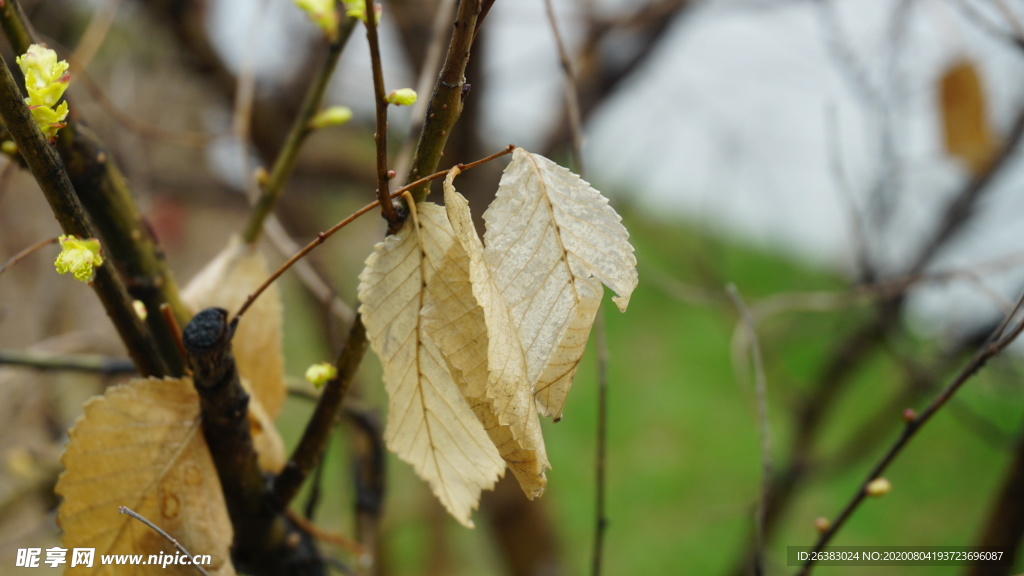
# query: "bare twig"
160,531
309,277
601,523
1003,336
445,105
370,484
26,253
94,34
41,360
273,186
323,236
322,535
431,62
572,106
572,101
380,136
761,391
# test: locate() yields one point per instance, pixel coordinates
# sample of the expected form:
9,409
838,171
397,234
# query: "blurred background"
852,167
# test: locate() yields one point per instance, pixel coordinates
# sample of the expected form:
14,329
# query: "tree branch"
380,136
446,101
265,542
1000,339
284,163
104,194
49,172
318,430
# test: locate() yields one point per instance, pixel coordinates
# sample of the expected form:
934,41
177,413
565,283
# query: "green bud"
320,374
333,116
402,97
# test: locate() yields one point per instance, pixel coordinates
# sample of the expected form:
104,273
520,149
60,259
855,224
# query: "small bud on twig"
878,487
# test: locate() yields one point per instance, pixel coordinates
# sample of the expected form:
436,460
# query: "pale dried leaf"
430,425
964,118
226,282
266,439
551,241
141,445
470,323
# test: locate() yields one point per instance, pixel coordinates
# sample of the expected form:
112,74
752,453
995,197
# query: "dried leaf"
226,282
470,323
551,241
141,445
430,425
964,119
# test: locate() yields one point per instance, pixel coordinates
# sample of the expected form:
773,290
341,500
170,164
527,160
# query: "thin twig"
310,278
600,472
41,360
94,34
26,253
997,342
761,390
272,187
322,535
380,136
323,236
572,101
572,106
445,105
160,531
431,63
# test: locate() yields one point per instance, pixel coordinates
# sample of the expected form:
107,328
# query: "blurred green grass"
683,460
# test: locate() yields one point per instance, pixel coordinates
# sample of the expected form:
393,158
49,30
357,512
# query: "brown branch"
104,195
27,252
1000,339
601,76
318,429
272,188
1005,525
265,543
380,136
761,390
49,172
445,105
370,484
42,360
861,344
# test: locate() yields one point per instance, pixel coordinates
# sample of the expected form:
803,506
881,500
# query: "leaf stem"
323,236
380,136
272,188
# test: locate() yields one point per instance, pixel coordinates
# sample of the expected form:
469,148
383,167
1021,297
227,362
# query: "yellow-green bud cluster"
79,257
46,79
320,374
323,14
